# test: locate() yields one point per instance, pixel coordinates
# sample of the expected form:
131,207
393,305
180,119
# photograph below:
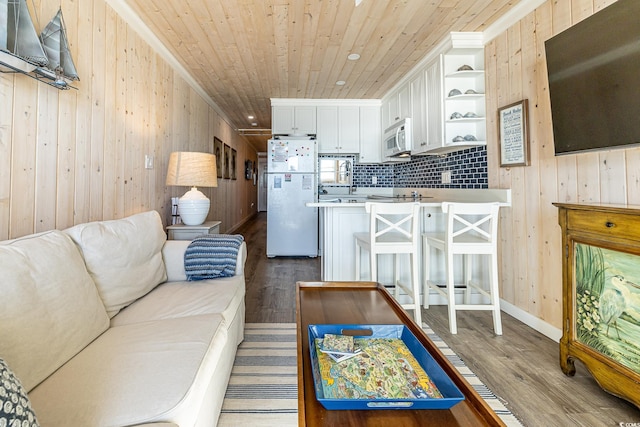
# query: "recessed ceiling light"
353,57
250,117
254,124
341,83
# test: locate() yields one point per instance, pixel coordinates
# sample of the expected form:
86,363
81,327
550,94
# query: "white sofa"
101,327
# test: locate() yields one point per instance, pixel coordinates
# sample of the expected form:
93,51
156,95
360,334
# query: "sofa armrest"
173,255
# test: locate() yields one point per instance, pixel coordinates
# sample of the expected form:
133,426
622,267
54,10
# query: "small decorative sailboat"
20,48
54,41
46,58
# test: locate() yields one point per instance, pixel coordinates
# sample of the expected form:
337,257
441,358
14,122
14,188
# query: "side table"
189,232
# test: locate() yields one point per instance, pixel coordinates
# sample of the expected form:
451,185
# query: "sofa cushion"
179,299
49,306
123,256
15,406
140,373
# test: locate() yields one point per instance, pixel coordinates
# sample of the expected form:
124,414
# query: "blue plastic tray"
451,394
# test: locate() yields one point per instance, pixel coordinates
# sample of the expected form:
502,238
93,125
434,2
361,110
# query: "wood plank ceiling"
244,52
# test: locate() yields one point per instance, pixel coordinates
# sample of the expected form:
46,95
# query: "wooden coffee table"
370,303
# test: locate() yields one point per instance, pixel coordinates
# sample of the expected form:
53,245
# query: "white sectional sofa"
101,327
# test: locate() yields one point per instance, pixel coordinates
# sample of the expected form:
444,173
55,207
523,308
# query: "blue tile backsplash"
468,170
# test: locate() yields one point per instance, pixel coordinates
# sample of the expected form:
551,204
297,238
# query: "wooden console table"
600,283
370,303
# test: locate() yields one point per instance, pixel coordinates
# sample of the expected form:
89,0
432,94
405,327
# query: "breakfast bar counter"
341,217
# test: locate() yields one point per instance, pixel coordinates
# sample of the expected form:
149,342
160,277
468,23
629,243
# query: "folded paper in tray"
450,393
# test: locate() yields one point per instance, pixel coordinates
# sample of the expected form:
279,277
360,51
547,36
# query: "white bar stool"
393,229
471,229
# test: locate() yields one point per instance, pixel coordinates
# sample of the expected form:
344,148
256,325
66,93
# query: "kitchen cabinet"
338,129
370,135
455,102
293,120
444,98
419,126
434,126
345,126
396,106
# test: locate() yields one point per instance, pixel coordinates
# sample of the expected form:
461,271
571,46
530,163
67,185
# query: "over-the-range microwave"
397,139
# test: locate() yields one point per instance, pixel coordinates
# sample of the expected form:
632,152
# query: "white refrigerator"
292,227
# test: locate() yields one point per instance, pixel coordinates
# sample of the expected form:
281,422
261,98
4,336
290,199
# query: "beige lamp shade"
192,169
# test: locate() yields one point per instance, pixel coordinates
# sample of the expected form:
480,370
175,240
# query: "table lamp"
193,170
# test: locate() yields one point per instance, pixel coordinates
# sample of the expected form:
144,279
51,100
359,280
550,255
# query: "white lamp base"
193,207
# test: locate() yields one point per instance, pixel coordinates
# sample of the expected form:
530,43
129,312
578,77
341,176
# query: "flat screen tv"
594,80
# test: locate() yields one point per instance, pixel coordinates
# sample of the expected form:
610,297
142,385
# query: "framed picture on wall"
234,155
227,162
218,148
248,169
513,130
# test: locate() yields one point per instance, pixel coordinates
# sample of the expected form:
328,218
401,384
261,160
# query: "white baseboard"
528,319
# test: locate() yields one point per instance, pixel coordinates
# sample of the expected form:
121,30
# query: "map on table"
384,369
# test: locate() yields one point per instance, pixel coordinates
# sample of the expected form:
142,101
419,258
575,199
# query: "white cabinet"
433,79
418,113
396,106
370,135
455,100
345,126
404,103
442,120
299,119
338,129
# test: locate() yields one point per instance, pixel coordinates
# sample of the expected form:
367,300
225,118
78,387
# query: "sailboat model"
46,58
20,48
55,44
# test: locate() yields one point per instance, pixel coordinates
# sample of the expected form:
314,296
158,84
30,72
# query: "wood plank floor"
521,366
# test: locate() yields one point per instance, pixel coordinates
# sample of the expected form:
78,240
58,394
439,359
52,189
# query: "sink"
398,198
340,200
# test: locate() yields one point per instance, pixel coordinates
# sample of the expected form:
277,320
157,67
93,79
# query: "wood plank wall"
68,157
530,236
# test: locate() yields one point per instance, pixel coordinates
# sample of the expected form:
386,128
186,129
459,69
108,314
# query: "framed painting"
227,162
248,169
218,151
234,171
607,303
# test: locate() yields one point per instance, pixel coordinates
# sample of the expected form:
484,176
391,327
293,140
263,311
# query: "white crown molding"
515,14
137,24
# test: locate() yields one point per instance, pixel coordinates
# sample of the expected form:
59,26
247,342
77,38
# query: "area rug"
263,387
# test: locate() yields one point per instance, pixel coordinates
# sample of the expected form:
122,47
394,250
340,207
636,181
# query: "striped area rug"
263,386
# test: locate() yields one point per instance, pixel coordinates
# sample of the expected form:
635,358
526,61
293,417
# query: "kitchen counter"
342,216
426,197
